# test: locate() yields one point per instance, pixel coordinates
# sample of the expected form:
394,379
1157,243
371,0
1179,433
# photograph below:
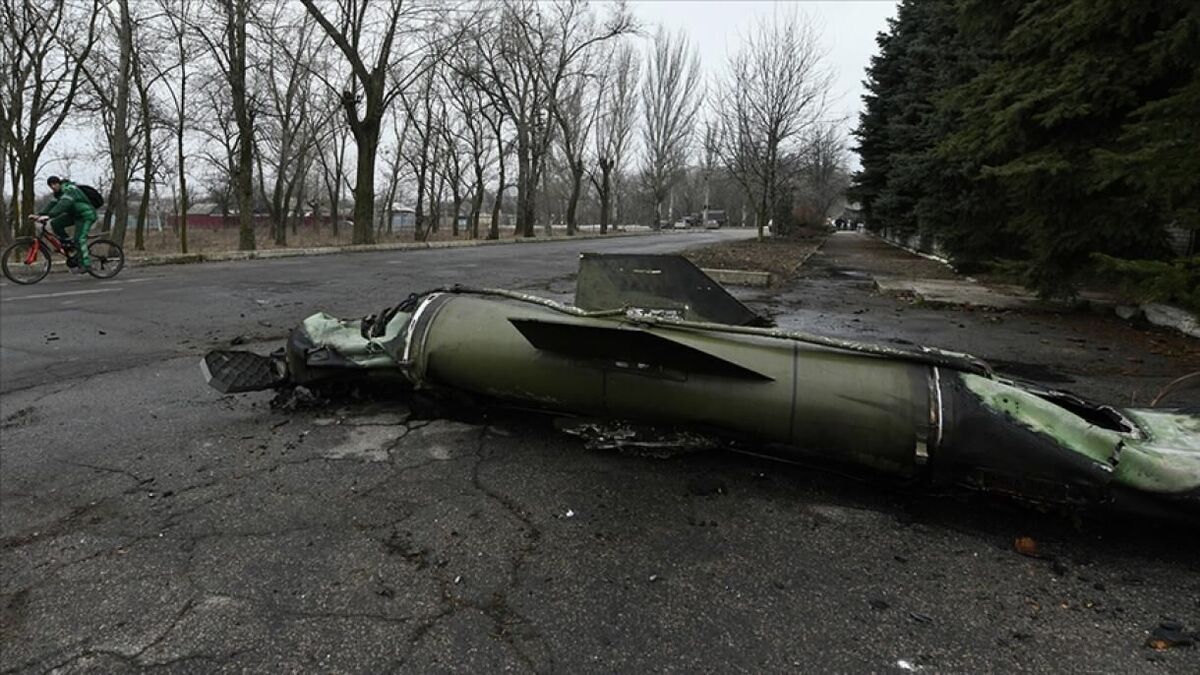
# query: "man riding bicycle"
70,207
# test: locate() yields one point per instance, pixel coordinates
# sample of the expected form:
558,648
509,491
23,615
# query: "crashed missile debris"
652,340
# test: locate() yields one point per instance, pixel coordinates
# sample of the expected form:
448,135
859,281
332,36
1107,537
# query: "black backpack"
92,194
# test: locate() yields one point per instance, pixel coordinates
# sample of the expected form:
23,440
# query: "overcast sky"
847,29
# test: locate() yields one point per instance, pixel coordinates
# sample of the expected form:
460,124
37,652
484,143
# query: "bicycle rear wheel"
107,258
26,261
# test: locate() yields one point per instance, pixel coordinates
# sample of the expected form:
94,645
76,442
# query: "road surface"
149,523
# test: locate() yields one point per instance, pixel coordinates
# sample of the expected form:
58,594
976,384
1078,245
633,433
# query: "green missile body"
922,415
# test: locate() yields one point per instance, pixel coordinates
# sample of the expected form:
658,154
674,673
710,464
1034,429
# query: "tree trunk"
525,186
605,194
573,201
477,201
12,217
498,203
120,141
419,213
5,230
367,139
147,156
108,214
298,207
236,18
389,213
182,217
279,208
435,202
147,177
28,197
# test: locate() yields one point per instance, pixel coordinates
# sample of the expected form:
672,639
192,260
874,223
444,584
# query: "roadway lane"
71,326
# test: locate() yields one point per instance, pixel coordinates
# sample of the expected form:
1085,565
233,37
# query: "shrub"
1176,281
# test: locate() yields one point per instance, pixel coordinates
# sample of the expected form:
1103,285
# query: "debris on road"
1027,546
1169,635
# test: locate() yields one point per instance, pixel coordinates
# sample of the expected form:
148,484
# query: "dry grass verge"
779,256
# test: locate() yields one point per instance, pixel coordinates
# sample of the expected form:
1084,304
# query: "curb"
810,254
269,254
923,254
727,277
1156,314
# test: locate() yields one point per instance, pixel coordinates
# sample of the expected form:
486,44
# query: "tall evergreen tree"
904,183
1038,129
1038,118
1159,148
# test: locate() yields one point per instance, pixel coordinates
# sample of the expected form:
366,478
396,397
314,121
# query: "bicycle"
28,259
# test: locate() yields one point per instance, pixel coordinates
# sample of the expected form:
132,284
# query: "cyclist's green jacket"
69,208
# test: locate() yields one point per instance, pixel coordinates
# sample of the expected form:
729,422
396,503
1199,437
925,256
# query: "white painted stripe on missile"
63,294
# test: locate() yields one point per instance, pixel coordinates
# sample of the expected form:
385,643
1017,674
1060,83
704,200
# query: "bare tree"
575,116
380,72
454,170
218,128
173,73
285,138
776,91
824,176
423,121
151,154
616,106
110,76
229,52
528,49
333,138
670,99
472,108
495,119
708,163
395,171
44,48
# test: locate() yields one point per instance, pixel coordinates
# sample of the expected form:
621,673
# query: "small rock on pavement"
706,486
1170,634
1128,312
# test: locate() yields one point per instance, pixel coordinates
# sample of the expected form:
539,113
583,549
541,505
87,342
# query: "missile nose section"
1160,472
1046,444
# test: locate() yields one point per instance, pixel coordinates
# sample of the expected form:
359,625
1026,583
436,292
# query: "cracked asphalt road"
148,523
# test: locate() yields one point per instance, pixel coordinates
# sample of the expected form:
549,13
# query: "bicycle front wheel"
26,261
107,258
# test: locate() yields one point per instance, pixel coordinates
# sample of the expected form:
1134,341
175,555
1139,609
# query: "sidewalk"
898,271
